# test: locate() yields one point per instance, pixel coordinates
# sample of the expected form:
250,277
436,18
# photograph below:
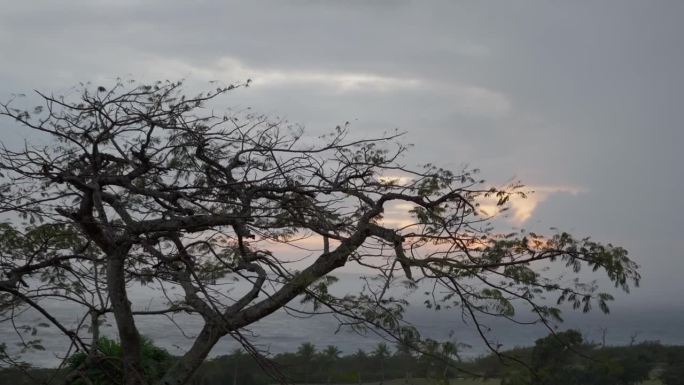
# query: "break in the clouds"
582,101
519,209
522,207
467,99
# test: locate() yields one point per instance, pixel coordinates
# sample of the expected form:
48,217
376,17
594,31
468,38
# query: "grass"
469,381
428,381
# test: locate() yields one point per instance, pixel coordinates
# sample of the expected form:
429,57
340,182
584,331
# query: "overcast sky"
582,101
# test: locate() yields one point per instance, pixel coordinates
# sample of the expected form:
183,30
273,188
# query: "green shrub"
106,367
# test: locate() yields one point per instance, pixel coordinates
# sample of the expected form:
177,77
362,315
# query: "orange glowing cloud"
522,208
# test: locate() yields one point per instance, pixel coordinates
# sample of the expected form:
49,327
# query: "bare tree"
162,190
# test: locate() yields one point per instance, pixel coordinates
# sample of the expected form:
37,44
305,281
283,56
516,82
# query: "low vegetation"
562,358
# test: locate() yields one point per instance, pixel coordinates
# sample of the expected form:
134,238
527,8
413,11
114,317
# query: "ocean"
640,316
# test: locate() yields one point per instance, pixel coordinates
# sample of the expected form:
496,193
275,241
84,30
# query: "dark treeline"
327,365
565,359
559,359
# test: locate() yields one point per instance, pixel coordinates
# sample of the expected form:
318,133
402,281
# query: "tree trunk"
128,333
95,333
186,366
235,371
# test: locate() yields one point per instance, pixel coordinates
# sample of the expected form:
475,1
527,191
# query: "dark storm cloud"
582,100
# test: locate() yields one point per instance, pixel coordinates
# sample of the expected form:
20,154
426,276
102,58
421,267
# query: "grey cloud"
578,94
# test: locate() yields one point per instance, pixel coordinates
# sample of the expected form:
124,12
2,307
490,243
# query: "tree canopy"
564,358
143,183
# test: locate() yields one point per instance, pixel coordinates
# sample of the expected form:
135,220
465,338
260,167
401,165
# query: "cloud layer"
556,95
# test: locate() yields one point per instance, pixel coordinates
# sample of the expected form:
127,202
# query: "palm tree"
331,351
360,357
306,352
429,357
237,355
449,349
381,353
404,354
330,355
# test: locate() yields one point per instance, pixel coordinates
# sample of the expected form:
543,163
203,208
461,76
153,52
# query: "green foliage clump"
673,371
565,359
105,366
